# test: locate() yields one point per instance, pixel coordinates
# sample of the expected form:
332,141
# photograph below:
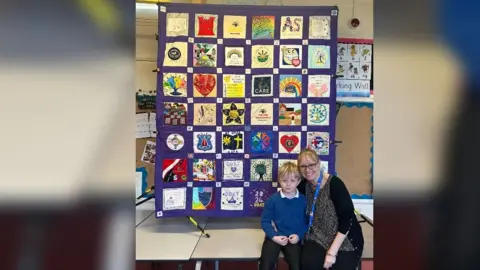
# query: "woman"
334,239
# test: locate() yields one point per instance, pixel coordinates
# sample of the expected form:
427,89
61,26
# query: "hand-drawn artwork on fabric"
205,85
365,70
203,169
232,170
353,70
353,52
290,86
366,53
233,86
318,114
203,198
234,26
261,142
175,114
177,24
146,99
174,199
289,142
282,161
342,69
319,85
261,114
258,197
204,114
318,56
342,50
233,114
318,141
149,152
175,142
234,57
204,142
174,170
206,25
291,27
233,142
324,165
204,55
290,114
291,56
262,56
176,54
262,85
263,27
232,199
261,170
319,27
175,84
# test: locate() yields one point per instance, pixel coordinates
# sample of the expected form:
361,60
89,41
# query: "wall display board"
355,65
241,89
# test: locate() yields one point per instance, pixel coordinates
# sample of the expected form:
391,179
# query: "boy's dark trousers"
271,250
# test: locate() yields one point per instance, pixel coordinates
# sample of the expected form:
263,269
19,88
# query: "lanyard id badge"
315,197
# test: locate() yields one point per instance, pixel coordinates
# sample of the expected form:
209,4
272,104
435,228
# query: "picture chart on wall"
241,90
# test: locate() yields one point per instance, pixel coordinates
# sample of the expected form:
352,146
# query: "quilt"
241,90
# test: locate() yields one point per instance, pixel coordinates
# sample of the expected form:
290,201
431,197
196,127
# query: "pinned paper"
149,152
142,125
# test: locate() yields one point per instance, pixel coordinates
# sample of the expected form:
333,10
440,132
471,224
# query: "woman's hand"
330,260
293,239
281,240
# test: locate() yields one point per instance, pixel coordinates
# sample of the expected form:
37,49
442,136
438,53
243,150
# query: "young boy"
286,211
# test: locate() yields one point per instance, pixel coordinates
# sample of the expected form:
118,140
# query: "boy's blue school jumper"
288,215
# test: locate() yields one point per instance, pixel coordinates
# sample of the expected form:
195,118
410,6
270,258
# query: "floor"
248,265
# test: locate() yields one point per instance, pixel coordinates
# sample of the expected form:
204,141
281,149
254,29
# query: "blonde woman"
334,239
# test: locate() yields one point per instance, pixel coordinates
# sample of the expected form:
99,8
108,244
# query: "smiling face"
309,165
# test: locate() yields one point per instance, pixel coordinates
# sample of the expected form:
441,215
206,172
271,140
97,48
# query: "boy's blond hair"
288,168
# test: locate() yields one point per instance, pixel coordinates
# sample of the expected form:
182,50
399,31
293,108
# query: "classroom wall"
146,45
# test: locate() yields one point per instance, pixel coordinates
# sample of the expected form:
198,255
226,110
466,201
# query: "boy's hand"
281,240
293,239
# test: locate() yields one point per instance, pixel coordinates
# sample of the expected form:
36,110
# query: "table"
169,239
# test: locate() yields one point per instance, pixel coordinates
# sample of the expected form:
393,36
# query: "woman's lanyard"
315,197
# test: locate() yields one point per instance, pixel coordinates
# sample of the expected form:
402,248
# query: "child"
286,210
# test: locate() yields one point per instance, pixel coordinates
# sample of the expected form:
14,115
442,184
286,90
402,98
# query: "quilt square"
234,57
174,199
261,114
175,114
233,142
318,141
261,170
174,170
234,27
290,114
175,84
204,55
232,199
204,142
204,114
290,86
232,170
262,56
289,142
262,85
318,56
263,27
318,114
176,54
177,24
291,56
319,85
233,86
261,142
205,85
203,198
291,27
206,25
233,114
